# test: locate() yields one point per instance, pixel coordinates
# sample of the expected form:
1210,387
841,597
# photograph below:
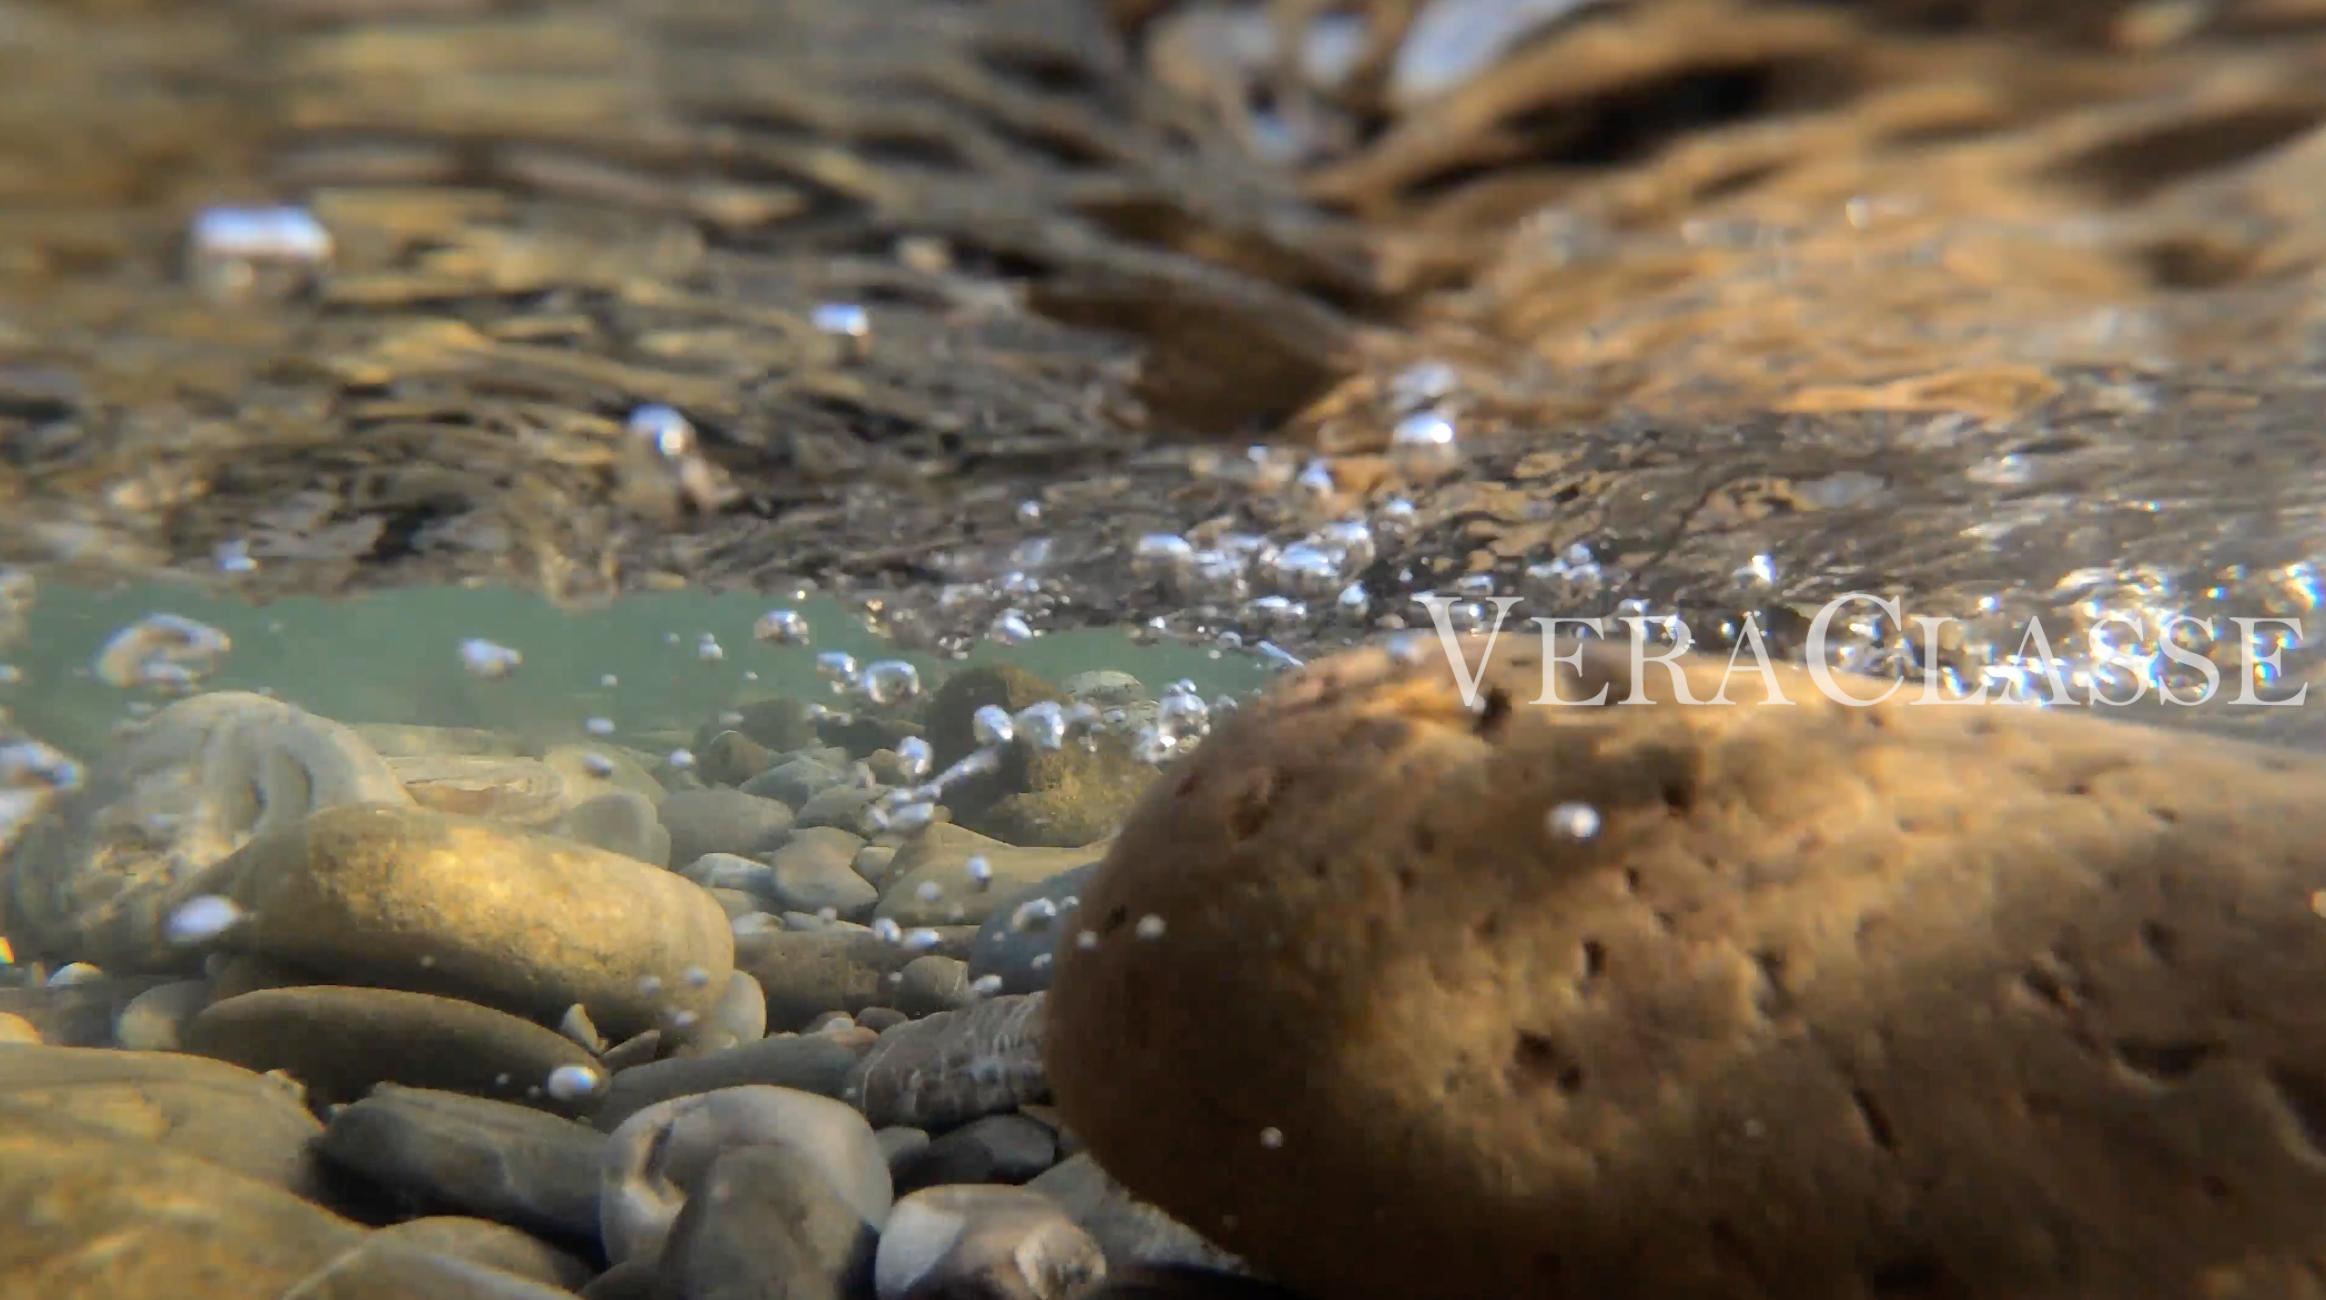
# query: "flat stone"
798,779
932,984
340,1042
532,924
728,757
495,1159
2002,1000
256,1126
1020,936
815,870
954,1066
781,723
994,1149
93,1213
590,770
722,820
1005,1243
765,1223
16,1029
939,859
520,791
494,1245
807,973
384,1266
656,1158
619,821
817,1063
731,871
840,806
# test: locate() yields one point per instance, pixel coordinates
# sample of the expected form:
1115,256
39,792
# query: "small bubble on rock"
1033,914
985,986
1272,1137
980,870
929,891
573,1082
1150,926
199,920
682,759
1574,821
598,726
920,940
1087,940
885,929
890,681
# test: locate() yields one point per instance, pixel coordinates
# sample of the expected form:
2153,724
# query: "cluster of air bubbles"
781,627
201,920
254,252
915,757
846,321
489,659
666,465
708,649
1182,720
1010,628
165,651
1041,725
32,774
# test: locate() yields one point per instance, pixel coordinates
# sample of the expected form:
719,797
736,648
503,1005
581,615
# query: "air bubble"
1041,724
248,252
1150,926
1424,444
1574,821
781,627
991,725
201,919
573,1082
890,681
489,660
980,870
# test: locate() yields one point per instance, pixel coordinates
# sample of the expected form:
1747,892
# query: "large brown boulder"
1834,1003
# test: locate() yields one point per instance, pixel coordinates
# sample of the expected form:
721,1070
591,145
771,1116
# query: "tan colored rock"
949,1068
16,1029
178,793
256,1126
1836,1004
519,791
939,857
340,1042
410,898
154,1019
90,1213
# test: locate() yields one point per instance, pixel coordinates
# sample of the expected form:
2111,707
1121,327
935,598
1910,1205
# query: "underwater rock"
995,1149
1005,1243
655,1158
738,1017
532,924
496,1159
93,1213
817,1063
520,791
766,1220
954,1066
1042,797
590,770
1817,998
619,821
781,724
493,1245
1017,942
815,870
154,1019
339,1042
799,778
721,820
729,757
182,790
929,882
222,1113
1133,1233
810,972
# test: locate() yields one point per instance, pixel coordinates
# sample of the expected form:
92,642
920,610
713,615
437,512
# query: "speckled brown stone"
1838,1004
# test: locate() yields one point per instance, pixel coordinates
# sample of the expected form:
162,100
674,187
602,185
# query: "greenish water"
395,656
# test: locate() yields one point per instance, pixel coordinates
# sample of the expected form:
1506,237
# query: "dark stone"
764,1223
994,1149
488,1158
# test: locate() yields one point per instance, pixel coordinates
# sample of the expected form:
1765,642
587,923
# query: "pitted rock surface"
1969,1001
